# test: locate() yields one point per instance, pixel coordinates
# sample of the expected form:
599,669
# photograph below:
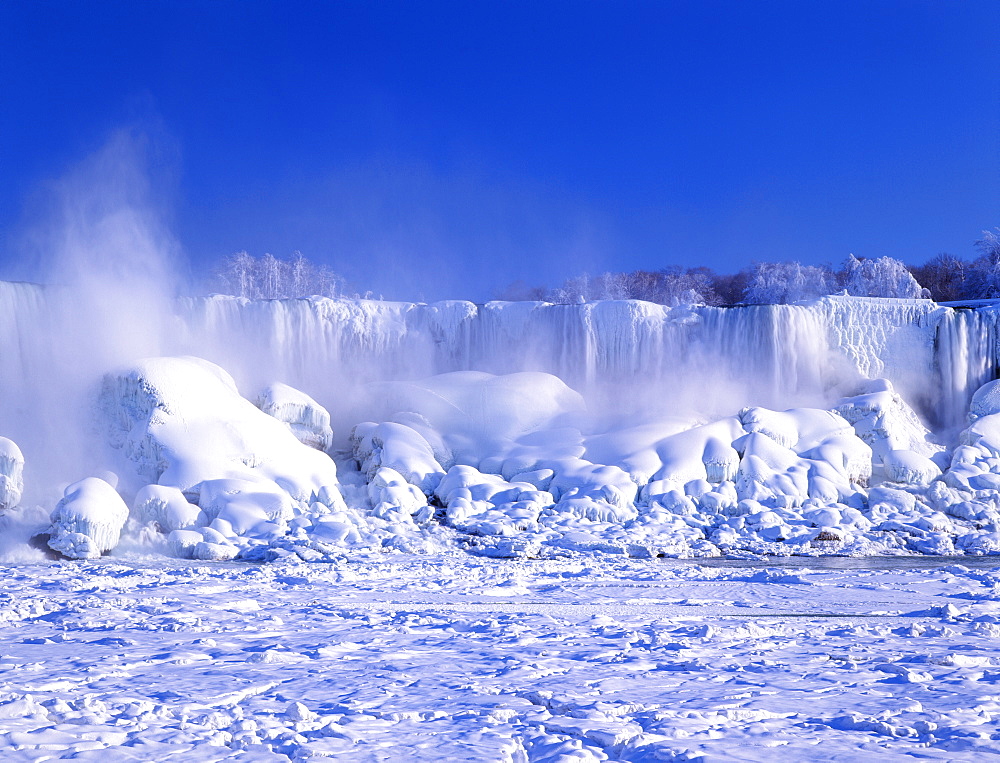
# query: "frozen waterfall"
692,358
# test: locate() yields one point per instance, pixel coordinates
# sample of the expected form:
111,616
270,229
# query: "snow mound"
87,522
308,420
388,491
487,504
11,474
910,468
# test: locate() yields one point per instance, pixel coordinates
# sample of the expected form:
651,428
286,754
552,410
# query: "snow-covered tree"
884,277
572,291
612,286
238,275
271,279
779,283
670,286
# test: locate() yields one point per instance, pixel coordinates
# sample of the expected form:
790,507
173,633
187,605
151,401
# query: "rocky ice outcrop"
883,419
11,474
87,522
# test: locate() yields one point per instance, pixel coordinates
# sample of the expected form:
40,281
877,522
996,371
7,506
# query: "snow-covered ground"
454,657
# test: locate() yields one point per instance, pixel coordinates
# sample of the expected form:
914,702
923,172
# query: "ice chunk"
87,522
181,421
690,454
388,489
767,450
308,420
397,447
488,504
847,454
910,468
215,552
576,478
183,542
248,508
11,474
722,461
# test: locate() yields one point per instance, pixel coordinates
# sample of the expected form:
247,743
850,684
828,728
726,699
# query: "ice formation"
842,425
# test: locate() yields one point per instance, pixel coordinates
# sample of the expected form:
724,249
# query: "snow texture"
493,569
454,658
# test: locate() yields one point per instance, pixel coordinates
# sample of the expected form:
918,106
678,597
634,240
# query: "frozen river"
452,657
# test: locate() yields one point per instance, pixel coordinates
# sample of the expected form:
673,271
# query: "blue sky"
444,149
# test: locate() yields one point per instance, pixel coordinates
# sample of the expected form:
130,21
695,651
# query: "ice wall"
627,353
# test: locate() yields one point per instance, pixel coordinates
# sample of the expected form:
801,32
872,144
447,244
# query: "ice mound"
701,453
181,421
388,492
228,477
11,474
634,448
399,448
909,468
308,420
474,411
87,522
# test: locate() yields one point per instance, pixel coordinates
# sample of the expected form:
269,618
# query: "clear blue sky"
443,149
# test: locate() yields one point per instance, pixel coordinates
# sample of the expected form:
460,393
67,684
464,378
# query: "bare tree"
268,277
943,276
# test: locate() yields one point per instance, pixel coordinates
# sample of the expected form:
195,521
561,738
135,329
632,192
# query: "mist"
98,241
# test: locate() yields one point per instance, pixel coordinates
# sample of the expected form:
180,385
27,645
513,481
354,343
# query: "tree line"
944,278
